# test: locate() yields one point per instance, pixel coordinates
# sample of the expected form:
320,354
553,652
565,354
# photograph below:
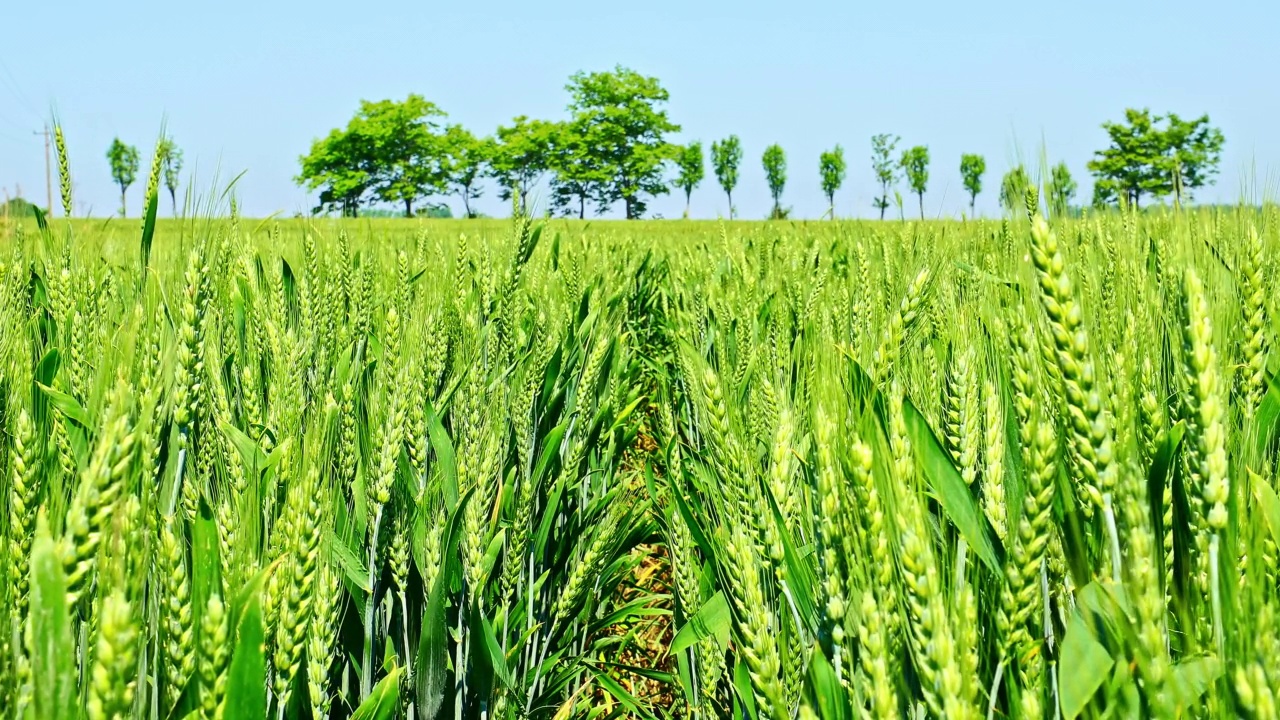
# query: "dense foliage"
614,147
1158,155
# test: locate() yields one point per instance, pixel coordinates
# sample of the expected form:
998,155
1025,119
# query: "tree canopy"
775,173
915,165
622,122
171,167
689,161
832,168
124,161
391,151
972,168
521,156
884,167
1155,155
467,157
726,156
18,207
1013,189
577,170
1061,190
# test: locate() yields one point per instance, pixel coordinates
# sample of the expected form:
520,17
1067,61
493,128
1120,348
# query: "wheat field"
540,469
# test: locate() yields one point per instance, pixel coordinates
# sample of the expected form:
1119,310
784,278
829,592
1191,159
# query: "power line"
48,168
14,123
8,80
17,90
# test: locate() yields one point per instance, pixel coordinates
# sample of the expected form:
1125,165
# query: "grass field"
516,469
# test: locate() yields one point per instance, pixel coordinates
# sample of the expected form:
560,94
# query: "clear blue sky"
246,86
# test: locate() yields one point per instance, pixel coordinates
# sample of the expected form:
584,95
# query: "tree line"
613,148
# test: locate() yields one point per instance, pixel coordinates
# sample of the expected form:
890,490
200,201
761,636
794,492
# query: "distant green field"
524,469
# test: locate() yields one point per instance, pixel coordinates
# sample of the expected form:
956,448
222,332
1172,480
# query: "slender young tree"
832,168
915,164
726,156
775,172
124,168
171,167
1062,189
885,168
689,160
972,168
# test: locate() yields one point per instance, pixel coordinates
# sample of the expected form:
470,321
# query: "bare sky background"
246,86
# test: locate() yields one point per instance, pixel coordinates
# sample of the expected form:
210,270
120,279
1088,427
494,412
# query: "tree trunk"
466,203
688,200
408,208
122,201
1177,182
524,201
582,207
831,205
884,204
972,200
921,196
626,204
173,197
730,194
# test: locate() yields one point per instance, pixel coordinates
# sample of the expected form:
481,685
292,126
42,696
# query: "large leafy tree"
775,173
1156,155
622,116
689,161
972,168
522,154
391,150
1062,189
578,171
1013,189
412,160
343,167
726,157
467,158
124,167
1193,149
885,168
1128,168
171,168
915,165
832,168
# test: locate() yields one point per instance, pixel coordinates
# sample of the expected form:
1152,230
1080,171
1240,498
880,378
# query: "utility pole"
48,169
